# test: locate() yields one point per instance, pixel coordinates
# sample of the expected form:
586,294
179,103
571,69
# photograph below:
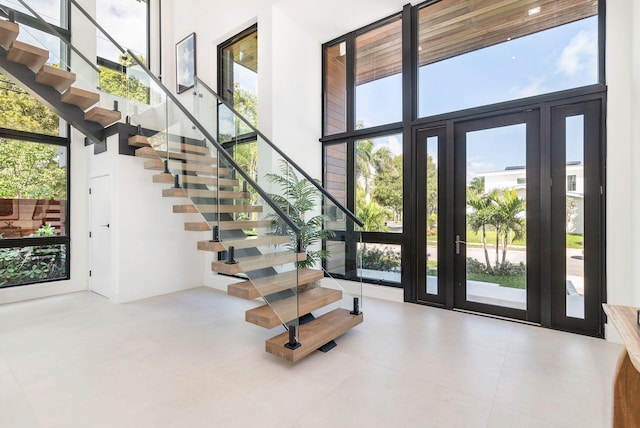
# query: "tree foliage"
125,85
31,171
20,111
28,170
502,211
387,186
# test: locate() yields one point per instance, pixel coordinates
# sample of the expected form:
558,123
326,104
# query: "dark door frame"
593,104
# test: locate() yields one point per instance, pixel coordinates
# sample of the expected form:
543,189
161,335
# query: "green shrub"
385,259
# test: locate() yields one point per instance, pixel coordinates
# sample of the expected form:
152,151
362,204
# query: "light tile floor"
189,360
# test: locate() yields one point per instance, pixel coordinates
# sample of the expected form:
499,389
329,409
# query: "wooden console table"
626,384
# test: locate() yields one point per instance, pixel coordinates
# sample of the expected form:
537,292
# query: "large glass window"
52,11
238,83
33,210
34,238
438,59
378,75
525,49
127,22
378,184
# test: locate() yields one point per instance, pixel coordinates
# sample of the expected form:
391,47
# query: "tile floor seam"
26,396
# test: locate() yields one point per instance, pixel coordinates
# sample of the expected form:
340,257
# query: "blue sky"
556,59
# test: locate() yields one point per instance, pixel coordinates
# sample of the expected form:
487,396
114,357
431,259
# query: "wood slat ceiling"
245,51
452,27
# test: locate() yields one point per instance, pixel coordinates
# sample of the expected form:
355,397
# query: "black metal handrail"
281,153
195,122
218,147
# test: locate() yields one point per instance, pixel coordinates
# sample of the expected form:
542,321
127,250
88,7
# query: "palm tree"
297,197
510,225
364,165
481,216
372,215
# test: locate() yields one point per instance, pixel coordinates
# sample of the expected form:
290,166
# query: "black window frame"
19,135
411,123
45,240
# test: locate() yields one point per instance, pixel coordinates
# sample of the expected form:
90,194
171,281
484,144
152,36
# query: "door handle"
458,242
105,225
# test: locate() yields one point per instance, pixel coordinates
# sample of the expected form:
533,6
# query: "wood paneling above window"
453,27
379,52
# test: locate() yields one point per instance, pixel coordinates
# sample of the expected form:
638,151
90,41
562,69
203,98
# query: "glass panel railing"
117,89
251,238
329,232
268,219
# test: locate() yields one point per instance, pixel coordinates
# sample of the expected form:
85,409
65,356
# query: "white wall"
635,141
623,185
151,254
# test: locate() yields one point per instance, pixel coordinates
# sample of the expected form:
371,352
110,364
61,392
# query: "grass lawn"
511,281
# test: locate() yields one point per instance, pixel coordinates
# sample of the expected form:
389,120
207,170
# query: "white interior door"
100,235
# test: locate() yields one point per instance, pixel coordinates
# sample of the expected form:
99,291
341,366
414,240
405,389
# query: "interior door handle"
458,242
105,225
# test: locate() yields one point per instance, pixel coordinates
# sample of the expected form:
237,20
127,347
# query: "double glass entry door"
508,208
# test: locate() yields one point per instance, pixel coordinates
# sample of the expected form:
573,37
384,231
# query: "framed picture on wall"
186,63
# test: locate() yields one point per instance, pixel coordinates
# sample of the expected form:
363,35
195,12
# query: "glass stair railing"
267,218
319,215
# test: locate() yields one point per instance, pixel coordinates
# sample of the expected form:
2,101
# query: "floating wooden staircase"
216,195
41,75
288,295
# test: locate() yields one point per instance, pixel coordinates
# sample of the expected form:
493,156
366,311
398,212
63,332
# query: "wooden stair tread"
248,242
59,79
29,55
158,165
252,289
251,263
202,193
164,178
190,148
151,153
79,97
282,311
215,208
314,334
139,141
8,33
102,116
193,179
201,226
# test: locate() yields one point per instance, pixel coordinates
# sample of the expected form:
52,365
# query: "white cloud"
394,145
535,87
477,168
580,55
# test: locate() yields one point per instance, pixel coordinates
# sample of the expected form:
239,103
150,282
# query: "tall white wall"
623,156
635,141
